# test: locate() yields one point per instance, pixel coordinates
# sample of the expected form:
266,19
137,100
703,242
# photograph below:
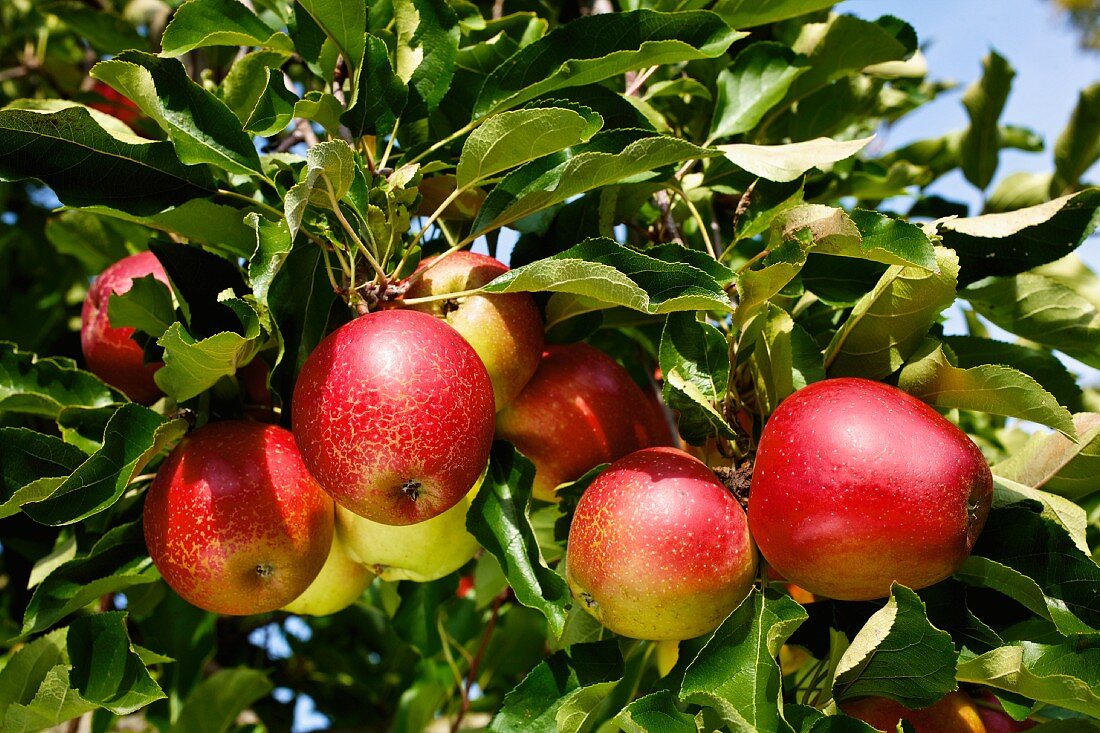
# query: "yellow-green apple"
858,484
580,409
424,551
504,329
109,352
233,520
659,548
393,413
953,713
339,584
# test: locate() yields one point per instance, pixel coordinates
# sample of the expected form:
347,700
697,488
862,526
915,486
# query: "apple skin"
858,484
109,352
394,416
952,713
233,520
339,584
505,329
580,409
115,104
659,548
421,552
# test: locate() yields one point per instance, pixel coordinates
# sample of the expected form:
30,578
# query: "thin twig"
475,665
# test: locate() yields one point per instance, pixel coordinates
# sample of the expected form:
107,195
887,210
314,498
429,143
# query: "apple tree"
254,297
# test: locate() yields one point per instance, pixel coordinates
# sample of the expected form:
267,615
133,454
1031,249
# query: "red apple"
953,713
858,484
995,719
115,104
393,413
505,330
659,548
109,352
580,409
234,522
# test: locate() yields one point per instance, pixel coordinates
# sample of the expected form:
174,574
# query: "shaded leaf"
1078,147
984,101
1056,464
107,670
427,44
382,95
1057,674
213,706
694,359
756,81
40,386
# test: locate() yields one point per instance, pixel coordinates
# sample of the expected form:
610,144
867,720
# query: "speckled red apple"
953,713
659,548
580,409
109,352
505,330
234,522
394,413
858,484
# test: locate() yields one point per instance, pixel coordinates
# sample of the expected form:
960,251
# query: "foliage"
681,193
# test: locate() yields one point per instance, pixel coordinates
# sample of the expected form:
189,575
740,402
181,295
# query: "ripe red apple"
234,522
858,484
952,713
995,719
505,330
659,548
580,409
109,352
393,413
115,104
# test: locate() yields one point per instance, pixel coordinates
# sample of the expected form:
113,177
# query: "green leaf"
694,358
606,271
275,107
655,713
36,386
201,23
104,30
581,710
95,241
322,108
1042,310
750,13
427,44
106,668
755,287
330,170
1061,591
898,654
218,228
1019,190
34,687
736,673
146,306
1078,146
612,156
757,80
417,618
865,234
992,388
34,464
343,22
509,139
1056,464
784,359
787,162
596,47
532,706
984,101
273,246
247,80
1039,364
201,126
85,165
498,519
1015,241
382,94
193,366
888,324
134,435
213,706
1058,674
117,561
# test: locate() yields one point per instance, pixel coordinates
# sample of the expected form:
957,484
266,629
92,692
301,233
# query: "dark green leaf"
104,30
694,359
427,43
416,617
1064,674
343,22
984,101
106,669
85,165
146,306
655,713
499,521
749,13
35,386
32,465
200,23
1078,146
275,107
756,81
531,707
213,706
382,94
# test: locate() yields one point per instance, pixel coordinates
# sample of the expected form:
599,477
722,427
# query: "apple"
858,484
994,717
422,552
505,330
580,409
393,413
952,713
339,584
233,520
109,352
115,104
659,548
